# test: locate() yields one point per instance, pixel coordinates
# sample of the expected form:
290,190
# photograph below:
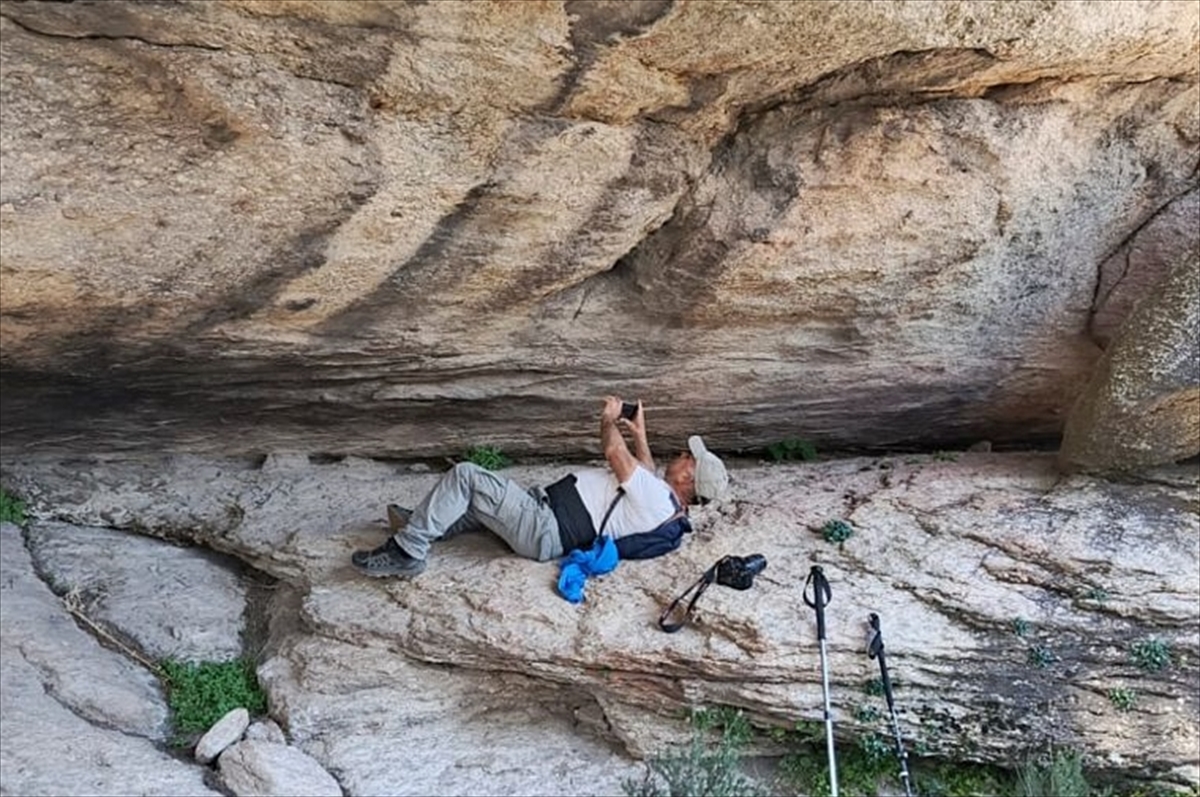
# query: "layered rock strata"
1015,603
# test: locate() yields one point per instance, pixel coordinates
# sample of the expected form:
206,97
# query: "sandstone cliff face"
385,228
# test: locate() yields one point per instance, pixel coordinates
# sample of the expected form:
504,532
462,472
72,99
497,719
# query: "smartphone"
629,409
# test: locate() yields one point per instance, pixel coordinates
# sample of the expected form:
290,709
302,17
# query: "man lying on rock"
644,514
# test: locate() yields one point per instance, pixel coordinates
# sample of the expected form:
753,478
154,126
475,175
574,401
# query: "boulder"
1142,405
224,733
259,768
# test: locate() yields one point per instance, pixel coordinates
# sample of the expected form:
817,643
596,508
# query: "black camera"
738,572
629,409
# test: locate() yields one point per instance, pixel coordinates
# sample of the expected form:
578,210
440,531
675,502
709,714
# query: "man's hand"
611,414
619,458
612,409
638,424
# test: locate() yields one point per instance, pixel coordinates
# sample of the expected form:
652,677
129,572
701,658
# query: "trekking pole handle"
821,594
875,645
875,651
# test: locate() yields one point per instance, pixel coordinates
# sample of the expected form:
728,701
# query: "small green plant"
488,457
837,531
200,693
1058,775
1020,626
701,769
873,687
860,768
945,456
809,731
946,779
730,721
12,509
1151,654
1097,594
866,714
1041,656
1124,699
792,449
1151,789
874,747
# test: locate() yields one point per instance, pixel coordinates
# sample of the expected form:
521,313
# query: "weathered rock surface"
459,663
1136,268
387,723
121,580
400,229
78,719
1142,406
96,684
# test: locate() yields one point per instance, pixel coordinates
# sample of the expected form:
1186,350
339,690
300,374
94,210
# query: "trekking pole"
875,651
820,599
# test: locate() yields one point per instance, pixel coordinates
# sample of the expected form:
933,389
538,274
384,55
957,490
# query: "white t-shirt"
646,505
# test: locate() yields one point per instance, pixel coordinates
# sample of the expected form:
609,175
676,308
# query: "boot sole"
401,572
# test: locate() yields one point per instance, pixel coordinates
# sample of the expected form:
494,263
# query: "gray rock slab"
259,768
390,726
96,683
172,601
947,549
222,734
72,711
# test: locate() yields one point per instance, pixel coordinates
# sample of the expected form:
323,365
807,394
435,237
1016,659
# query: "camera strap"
701,584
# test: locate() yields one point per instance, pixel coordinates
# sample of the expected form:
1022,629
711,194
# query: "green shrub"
947,779
866,714
792,449
200,693
1060,775
1020,626
837,531
1151,654
1124,699
488,457
12,509
860,768
875,748
701,770
1041,656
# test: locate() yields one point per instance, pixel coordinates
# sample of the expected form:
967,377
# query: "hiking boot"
387,560
397,517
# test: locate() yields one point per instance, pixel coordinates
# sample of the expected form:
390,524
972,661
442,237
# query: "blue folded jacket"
601,558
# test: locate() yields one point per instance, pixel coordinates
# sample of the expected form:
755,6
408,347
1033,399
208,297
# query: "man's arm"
619,458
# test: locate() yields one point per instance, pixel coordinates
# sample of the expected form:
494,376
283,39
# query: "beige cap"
712,480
